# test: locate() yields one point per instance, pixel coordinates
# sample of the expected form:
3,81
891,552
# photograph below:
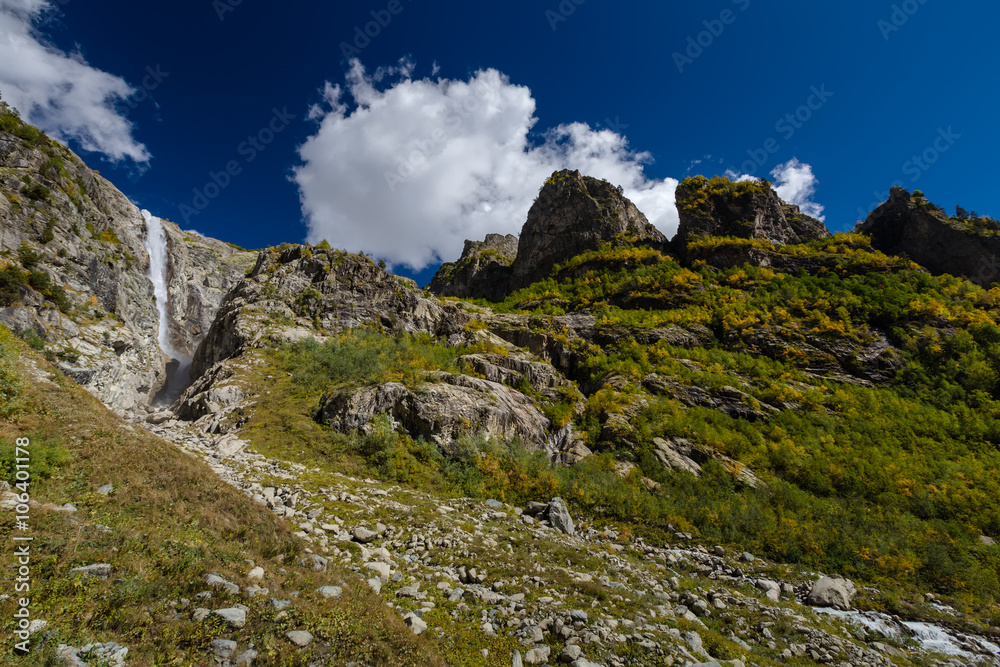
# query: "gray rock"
216,581
570,653
223,647
246,658
415,623
107,489
300,638
537,655
99,570
515,659
234,616
832,592
771,588
443,408
314,562
364,535
559,516
330,591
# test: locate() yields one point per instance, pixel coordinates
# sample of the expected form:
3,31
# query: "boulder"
559,516
832,592
415,623
233,616
300,638
442,409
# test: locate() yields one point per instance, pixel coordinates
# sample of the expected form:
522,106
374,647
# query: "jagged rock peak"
910,224
572,215
744,209
483,270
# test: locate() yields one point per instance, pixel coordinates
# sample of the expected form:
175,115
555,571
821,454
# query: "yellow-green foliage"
890,484
11,380
696,192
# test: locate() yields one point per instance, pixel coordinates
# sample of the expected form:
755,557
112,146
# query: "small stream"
929,636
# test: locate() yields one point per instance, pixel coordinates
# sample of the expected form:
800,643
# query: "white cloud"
58,91
795,182
410,170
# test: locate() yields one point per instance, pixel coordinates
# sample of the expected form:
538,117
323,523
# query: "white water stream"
156,246
929,636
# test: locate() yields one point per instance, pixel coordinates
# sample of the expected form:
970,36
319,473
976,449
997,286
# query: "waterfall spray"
156,246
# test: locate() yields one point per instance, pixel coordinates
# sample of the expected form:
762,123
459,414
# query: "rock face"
296,292
574,214
441,410
748,209
202,270
59,217
299,291
483,271
908,224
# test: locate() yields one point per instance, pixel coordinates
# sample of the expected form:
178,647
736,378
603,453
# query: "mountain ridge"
755,384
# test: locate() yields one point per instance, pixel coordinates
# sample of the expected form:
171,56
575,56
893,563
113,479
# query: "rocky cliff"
202,270
482,272
908,224
572,214
746,209
75,271
94,312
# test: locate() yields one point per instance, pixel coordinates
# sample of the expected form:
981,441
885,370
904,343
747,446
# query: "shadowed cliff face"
202,271
748,209
908,224
573,214
483,271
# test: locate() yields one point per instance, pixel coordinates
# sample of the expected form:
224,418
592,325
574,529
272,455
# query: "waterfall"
178,371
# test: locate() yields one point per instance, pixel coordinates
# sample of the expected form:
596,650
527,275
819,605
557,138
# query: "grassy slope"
171,522
892,485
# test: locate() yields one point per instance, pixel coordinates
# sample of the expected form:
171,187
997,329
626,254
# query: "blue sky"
392,163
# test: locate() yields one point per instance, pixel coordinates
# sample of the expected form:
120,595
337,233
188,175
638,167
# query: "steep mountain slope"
74,271
571,470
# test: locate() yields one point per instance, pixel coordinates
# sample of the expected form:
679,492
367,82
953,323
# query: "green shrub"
28,257
31,337
37,192
12,278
